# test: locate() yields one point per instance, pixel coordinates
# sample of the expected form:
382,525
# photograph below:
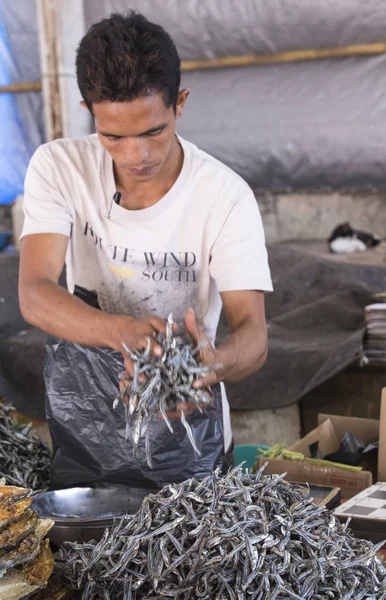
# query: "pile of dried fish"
26,561
24,459
167,385
227,538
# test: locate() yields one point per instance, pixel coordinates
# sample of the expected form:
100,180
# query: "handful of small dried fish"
26,561
167,386
233,537
24,459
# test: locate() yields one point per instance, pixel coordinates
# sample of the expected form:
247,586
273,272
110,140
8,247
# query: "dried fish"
27,549
26,560
14,587
233,537
24,459
39,570
18,530
10,494
168,385
11,511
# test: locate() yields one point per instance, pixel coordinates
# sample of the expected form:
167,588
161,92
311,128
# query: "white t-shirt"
205,236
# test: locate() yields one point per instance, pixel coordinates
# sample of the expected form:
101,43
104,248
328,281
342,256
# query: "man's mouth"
143,171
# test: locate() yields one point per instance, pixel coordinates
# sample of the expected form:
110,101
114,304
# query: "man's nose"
137,151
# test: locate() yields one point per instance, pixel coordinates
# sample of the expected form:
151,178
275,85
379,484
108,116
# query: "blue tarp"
14,147
21,115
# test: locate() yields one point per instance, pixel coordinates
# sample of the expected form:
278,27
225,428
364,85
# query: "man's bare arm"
48,306
245,350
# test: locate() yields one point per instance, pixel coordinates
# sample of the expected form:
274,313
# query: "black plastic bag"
89,435
352,451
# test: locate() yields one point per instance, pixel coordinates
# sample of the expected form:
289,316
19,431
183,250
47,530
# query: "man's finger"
129,366
187,407
156,349
204,347
159,325
207,381
150,346
192,328
123,384
175,415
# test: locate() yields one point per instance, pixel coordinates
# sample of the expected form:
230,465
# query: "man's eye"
113,139
156,132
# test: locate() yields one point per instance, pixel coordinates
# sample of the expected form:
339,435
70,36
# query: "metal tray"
82,514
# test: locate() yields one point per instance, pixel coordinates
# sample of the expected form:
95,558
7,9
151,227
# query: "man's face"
138,134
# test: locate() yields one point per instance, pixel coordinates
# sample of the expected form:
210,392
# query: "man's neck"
137,195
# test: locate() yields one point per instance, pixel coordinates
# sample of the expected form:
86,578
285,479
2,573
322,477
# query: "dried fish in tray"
167,386
24,459
233,537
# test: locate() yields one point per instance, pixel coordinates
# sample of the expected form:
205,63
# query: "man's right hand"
136,334
53,309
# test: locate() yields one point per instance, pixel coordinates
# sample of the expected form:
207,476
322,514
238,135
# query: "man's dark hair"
126,57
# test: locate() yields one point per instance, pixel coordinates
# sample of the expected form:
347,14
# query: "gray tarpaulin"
302,125
312,124
315,319
214,28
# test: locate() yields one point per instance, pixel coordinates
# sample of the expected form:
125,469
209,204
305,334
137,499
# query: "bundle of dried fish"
39,570
167,386
227,538
24,459
26,561
14,587
27,549
13,502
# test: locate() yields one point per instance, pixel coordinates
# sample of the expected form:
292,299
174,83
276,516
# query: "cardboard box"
303,472
329,432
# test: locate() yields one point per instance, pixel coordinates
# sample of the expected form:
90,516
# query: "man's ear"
82,103
181,101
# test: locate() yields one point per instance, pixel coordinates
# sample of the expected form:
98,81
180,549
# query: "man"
146,223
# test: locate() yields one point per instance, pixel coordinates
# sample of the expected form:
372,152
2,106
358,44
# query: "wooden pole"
284,57
48,37
17,88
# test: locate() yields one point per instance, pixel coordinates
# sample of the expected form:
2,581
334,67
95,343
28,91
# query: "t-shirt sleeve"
239,259
45,208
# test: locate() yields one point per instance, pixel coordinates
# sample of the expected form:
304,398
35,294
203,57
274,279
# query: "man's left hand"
208,355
